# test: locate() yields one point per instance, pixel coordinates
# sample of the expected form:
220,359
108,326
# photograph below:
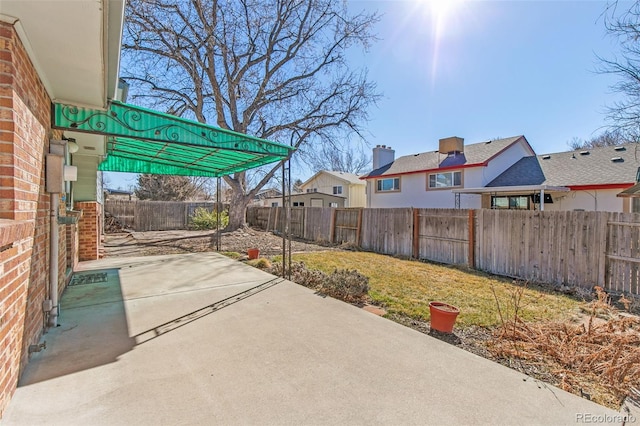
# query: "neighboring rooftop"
473,154
118,191
349,177
594,166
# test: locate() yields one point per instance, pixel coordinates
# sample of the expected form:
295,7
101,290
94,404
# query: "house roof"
632,192
586,167
347,177
474,155
118,191
309,194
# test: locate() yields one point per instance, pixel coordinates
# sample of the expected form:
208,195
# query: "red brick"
25,128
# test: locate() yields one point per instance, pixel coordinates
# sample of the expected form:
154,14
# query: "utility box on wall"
54,182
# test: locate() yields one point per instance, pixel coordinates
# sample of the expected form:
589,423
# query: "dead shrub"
599,358
300,274
347,285
261,263
343,284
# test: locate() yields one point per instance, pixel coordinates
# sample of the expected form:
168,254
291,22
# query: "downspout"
542,200
54,254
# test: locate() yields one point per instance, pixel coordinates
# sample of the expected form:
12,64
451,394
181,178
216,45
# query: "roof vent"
584,153
488,142
617,159
620,148
546,157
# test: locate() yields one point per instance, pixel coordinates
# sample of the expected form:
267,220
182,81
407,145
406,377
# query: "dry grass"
406,287
598,358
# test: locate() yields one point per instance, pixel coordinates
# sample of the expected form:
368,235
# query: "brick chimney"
451,145
383,155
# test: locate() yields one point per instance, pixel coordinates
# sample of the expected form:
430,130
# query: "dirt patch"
472,339
182,241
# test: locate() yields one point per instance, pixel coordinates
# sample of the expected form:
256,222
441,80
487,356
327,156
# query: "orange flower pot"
253,253
443,316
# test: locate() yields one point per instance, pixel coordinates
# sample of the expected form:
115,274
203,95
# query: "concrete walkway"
156,340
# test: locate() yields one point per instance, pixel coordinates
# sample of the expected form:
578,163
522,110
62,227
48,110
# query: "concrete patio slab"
202,339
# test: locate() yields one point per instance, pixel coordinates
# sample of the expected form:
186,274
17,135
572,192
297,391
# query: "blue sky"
496,69
482,70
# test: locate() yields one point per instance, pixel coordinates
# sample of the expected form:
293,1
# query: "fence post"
472,239
359,228
416,234
333,225
268,219
136,216
305,211
603,235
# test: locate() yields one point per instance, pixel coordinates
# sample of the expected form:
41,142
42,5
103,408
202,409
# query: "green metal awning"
141,140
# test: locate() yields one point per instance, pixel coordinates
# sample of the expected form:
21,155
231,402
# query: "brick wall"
25,130
89,230
15,242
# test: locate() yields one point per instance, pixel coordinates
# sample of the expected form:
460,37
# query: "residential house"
341,184
118,194
633,194
592,180
309,199
263,197
426,179
505,174
49,52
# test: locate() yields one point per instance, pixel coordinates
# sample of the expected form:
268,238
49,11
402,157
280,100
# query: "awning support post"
218,214
284,239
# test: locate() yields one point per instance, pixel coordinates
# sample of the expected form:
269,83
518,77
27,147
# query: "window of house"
298,204
274,204
445,180
312,189
333,204
337,190
391,184
513,202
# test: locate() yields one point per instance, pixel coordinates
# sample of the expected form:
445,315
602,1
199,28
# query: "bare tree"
606,138
297,185
348,159
170,188
623,23
273,69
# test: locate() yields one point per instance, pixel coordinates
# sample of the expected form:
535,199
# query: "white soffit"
64,39
88,144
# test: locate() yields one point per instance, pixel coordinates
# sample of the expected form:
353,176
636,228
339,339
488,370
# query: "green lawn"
407,287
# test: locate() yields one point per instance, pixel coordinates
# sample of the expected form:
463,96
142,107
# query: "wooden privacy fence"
562,247
155,215
558,247
308,223
622,266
